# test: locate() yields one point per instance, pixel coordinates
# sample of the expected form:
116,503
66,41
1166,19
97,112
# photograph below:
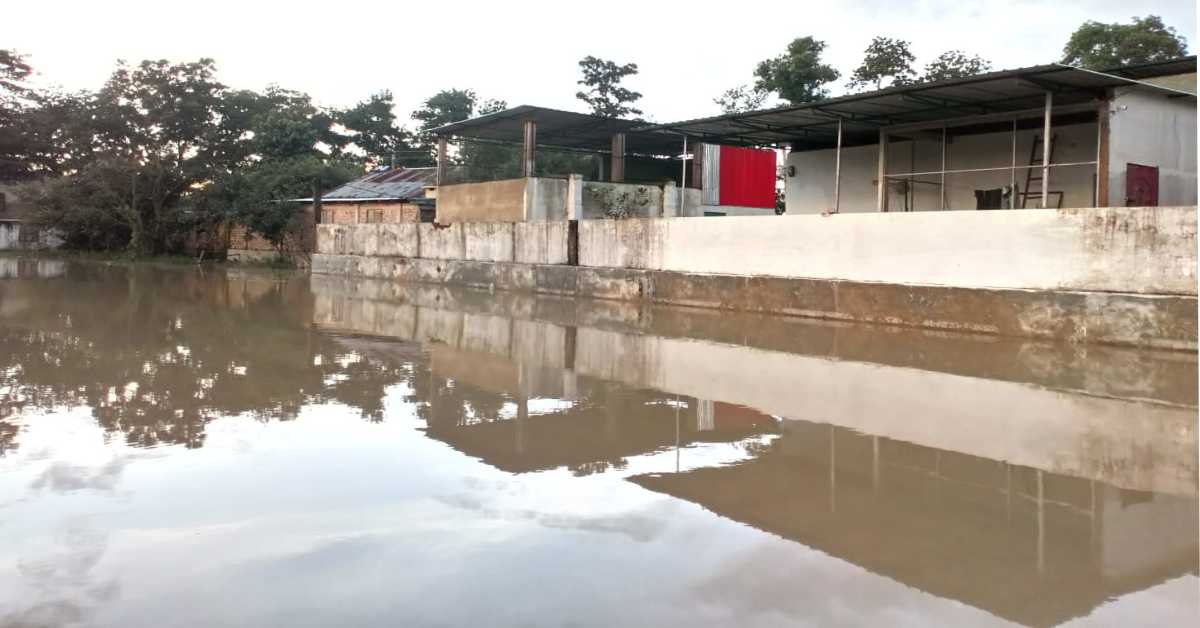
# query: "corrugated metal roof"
563,129
814,125
394,184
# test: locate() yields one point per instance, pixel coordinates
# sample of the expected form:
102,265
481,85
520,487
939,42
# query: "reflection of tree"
158,353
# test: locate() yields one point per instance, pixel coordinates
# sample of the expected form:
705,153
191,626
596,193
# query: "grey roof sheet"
563,129
814,125
394,184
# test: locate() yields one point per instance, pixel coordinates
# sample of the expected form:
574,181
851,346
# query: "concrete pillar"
671,205
618,158
1046,150
529,149
442,162
575,197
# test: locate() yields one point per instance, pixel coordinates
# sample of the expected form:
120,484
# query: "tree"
14,71
444,107
1105,46
741,98
955,64
604,93
884,57
797,76
373,129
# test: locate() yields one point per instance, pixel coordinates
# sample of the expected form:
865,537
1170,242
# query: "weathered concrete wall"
1136,250
546,199
1153,130
1167,322
604,200
810,191
488,201
15,235
541,242
528,243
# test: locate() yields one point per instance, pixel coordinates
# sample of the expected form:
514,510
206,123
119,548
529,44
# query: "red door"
1141,186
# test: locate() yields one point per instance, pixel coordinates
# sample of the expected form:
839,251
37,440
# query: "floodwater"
208,447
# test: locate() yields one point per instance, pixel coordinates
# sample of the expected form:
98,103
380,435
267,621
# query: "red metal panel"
747,177
1141,186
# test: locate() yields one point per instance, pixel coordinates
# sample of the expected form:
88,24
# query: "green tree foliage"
797,76
955,64
741,98
1104,46
164,148
884,58
371,125
14,143
444,107
604,93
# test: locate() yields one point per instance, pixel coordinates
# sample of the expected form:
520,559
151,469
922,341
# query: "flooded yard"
222,447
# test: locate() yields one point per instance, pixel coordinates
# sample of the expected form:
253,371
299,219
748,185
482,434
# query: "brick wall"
369,213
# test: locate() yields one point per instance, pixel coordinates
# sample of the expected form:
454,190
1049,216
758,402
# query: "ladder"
1034,173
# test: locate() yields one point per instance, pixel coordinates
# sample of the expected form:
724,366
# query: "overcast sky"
527,52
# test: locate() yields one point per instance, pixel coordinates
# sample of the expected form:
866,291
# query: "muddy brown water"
213,447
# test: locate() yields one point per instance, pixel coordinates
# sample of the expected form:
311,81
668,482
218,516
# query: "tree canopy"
741,98
955,64
604,92
884,58
1100,46
797,76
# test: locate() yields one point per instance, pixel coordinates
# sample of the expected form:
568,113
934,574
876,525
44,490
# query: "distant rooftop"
393,184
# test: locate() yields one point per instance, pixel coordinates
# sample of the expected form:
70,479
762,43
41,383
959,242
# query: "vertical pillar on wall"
618,158
881,198
574,197
442,163
1046,150
529,149
837,171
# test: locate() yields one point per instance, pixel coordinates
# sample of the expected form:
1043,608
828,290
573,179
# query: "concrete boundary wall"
1140,250
1124,276
528,243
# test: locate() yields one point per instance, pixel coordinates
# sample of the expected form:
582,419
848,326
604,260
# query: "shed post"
942,184
618,158
837,172
1102,154
441,160
529,149
881,198
1012,170
683,164
1046,150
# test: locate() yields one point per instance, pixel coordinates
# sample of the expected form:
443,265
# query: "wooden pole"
529,149
618,158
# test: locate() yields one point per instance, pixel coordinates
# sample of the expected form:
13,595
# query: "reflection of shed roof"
936,520
814,125
563,129
396,184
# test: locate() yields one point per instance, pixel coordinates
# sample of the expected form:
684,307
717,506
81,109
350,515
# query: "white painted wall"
10,235
1153,129
1142,250
811,190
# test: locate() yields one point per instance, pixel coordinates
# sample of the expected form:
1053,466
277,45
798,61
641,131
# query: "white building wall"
810,191
1153,129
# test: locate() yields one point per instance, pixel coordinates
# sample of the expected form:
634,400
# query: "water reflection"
286,439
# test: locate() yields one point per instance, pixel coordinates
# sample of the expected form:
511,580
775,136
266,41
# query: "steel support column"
837,172
881,198
1046,150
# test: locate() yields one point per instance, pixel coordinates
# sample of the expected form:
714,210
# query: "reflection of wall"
1129,443
1086,433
